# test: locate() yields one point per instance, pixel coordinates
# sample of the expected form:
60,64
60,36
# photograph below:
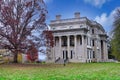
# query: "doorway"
65,54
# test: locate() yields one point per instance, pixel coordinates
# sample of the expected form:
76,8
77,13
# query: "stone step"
61,61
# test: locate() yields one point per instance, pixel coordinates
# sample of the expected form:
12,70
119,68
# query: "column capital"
59,36
68,35
75,35
82,35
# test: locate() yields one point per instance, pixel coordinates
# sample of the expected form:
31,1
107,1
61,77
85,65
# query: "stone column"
59,53
96,50
83,48
99,46
68,46
75,46
105,51
82,39
53,50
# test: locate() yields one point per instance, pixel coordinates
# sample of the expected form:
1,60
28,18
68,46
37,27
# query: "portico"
70,47
68,44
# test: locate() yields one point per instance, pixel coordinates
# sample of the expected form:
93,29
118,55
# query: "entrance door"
65,54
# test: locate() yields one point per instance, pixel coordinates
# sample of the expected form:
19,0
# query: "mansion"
78,39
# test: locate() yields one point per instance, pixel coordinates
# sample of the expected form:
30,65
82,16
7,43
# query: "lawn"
72,71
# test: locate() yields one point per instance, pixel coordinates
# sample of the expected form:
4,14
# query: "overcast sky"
99,10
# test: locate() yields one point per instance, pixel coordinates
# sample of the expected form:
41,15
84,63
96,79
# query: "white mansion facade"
78,39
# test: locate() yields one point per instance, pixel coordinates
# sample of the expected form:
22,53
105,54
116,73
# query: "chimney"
58,17
77,14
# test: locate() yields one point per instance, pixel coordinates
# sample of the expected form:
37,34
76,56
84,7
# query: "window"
64,41
93,42
80,40
66,55
71,40
90,42
92,31
63,54
93,54
71,54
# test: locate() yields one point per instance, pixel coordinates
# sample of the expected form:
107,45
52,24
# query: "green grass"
78,71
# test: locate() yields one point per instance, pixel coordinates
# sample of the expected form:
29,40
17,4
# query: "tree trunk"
15,58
